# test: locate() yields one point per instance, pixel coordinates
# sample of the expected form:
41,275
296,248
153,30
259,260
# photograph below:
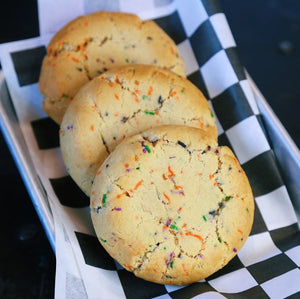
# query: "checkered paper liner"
268,264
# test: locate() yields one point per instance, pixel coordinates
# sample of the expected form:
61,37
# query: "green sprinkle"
138,168
145,97
171,264
227,198
104,198
211,114
103,240
215,245
127,60
204,218
65,95
114,137
219,239
182,90
147,148
150,113
174,226
248,210
150,245
132,142
165,248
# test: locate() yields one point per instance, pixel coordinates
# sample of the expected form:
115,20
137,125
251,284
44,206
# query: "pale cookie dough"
92,44
171,205
122,102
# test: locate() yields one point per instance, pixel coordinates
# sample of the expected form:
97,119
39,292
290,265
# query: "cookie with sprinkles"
92,44
173,207
122,102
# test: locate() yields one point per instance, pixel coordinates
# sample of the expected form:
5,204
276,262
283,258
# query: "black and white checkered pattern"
268,264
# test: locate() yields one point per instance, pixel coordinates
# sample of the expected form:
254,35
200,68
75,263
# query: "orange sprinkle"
152,183
199,173
136,82
194,235
215,183
201,124
74,59
116,114
138,184
135,97
85,24
156,112
158,121
181,233
128,266
111,84
211,176
150,91
116,96
171,172
49,50
173,93
239,231
179,210
165,227
136,158
92,127
117,80
60,132
126,165
119,195
166,196
178,187
71,28
98,172
94,106
184,269
172,50
138,91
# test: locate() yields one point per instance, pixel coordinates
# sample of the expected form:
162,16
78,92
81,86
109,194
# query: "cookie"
171,205
122,102
92,44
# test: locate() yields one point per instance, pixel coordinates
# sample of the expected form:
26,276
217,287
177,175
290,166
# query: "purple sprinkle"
201,255
165,238
239,170
169,222
172,157
70,127
128,170
169,259
117,209
142,143
234,250
111,60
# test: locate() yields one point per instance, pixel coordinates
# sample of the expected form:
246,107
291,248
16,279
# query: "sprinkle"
151,183
171,264
211,176
135,97
227,198
211,114
171,172
136,82
116,96
201,255
184,269
194,235
74,59
179,210
147,148
247,210
85,24
126,165
149,38
99,72
219,239
119,196
136,158
159,100
199,173
114,137
79,69
204,218
106,165
182,90
212,212
127,60
234,249
103,240
145,97
128,170
169,259
104,198
150,91
138,184
174,226
111,60
116,209
137,168
98,172
65,95
173,93
70,127
92,127
181,143
240,231
111,84
166,196
150,113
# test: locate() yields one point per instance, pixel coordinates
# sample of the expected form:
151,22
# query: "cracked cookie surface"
92,44
122,102
171,205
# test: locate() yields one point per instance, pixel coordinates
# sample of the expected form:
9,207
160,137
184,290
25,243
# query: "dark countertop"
268,37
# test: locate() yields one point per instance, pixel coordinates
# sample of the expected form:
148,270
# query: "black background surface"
268,37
